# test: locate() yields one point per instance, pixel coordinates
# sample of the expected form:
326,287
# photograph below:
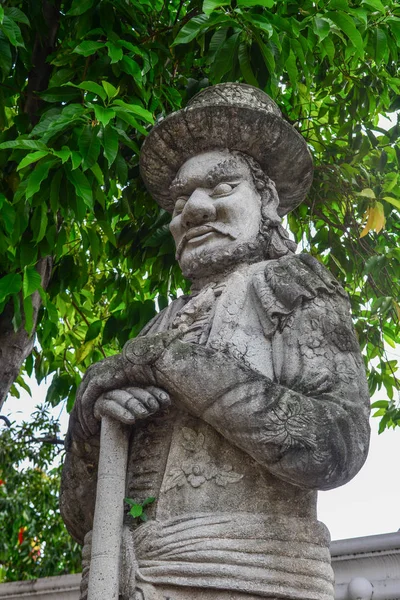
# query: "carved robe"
267,384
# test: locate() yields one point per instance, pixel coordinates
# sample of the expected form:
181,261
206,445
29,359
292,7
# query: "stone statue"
245,397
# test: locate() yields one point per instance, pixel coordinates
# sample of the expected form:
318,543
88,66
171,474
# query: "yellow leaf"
84,351
397,309
367,193
376,219
370,215
380,217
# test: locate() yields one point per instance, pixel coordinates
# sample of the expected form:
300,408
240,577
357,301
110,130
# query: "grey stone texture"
243,398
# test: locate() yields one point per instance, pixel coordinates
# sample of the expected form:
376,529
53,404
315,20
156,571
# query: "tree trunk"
15,346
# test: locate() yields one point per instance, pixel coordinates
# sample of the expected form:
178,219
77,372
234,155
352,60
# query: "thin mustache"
223,229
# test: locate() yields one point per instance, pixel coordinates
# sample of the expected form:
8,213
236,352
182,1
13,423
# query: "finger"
138,401
162,396
145,397
118,396
113,410
136,408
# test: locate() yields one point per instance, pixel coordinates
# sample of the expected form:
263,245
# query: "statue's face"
217,212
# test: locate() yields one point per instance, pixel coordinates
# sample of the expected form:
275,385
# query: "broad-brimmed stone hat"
234,116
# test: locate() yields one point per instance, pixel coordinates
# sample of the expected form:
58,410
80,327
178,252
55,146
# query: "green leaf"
148,501
329,48
37,176
5,57
268,57
128,118
63,154
210,5
28,313
136,110
82,186
98,173
39,222
12,32
10,284
321,27
190,30
380,404
130,501
291,66
106,227
17,317
128,65
94,243
79,7
121,169
346,24
224,57
88,48
55,190
114,52
91,86
260,22
245,66
24,145
394,201
16,14
376,4
93,331
381,46
8,216
248,3
110,143
31,158
31,281
89,145
103,115
109,89
60,94
136,510
76,159
1,14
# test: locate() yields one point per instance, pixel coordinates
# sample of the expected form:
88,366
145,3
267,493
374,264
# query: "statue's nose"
198,209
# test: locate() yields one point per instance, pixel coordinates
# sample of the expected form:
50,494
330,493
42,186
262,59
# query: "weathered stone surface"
245,397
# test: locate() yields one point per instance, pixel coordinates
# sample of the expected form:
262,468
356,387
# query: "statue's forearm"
302,439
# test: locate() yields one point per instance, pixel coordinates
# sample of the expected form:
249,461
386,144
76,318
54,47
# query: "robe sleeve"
309,424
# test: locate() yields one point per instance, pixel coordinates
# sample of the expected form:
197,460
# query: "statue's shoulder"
287,283
162,320
300,275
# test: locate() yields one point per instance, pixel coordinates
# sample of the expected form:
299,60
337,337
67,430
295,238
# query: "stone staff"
109,510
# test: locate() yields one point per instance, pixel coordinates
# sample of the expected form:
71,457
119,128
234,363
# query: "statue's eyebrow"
223,171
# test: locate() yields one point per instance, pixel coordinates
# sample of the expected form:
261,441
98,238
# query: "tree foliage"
82,82
34,542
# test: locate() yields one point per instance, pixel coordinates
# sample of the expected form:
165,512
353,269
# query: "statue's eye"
222,189
179,205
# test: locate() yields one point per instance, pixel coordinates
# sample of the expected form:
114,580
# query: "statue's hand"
132,367
131,403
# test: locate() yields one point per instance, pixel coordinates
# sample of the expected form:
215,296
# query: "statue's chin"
205,262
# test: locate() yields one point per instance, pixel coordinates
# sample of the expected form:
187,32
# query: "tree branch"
45,44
